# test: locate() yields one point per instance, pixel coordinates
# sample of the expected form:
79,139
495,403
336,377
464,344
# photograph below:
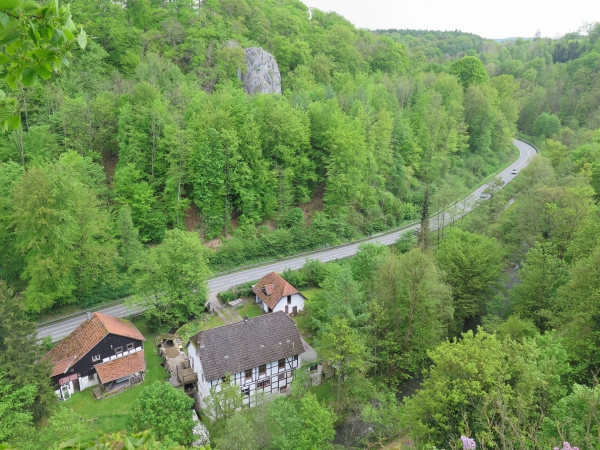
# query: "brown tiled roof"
243,345
271,288
121,367
85,337
62,366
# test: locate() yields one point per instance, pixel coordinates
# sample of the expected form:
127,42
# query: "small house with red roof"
104,350
273,293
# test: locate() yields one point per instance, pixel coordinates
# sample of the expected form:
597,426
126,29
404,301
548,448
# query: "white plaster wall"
203,384
297,300
84,383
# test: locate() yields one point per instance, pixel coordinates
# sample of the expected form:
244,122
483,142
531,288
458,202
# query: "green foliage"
541,276
469,70
63,233
495,390
142,441
547,126
572,419
472,265
164,409
171,279
412,313
35,42
131,247
344,350
21,363
15,407
223,401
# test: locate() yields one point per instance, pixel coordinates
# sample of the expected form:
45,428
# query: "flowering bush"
566,446
468,443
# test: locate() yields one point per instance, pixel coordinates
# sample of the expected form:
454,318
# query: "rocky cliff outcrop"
262,74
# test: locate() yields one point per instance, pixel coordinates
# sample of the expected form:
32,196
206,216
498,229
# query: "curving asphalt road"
215,285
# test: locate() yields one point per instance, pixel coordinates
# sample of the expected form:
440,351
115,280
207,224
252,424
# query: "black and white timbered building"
259,354
103,350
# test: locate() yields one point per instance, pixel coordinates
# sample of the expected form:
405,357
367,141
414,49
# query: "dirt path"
226,314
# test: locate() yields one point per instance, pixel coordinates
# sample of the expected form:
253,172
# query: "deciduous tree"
164,409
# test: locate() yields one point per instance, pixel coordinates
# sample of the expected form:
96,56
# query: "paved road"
62,329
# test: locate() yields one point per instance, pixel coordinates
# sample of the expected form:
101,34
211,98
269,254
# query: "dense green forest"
143,166
150,128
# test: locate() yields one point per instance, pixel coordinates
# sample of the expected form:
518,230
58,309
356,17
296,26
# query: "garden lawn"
206,322
110,414
249,309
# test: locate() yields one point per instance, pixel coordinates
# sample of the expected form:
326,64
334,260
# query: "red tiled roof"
271,288
120,327
62,366
85,337
121,367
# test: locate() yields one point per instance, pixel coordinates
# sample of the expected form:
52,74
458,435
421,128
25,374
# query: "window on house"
263,384
96,358
119,350
248,374
91,377
130,346
282,376
281,364
295,357
246,392
313,368
289,299
262,370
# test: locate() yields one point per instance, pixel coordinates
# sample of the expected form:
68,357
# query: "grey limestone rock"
262,74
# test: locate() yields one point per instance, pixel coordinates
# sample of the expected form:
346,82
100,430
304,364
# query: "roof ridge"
242,321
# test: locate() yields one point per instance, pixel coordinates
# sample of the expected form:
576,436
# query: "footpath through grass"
109,415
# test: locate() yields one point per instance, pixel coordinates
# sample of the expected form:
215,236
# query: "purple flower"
469,444
566,446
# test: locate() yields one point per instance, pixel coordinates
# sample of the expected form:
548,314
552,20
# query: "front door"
287,309
64,392
295,310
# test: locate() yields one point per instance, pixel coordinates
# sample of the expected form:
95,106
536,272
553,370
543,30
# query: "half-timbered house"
258,355
102,350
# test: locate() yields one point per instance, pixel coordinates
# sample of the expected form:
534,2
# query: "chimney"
245,318
201,341
89,316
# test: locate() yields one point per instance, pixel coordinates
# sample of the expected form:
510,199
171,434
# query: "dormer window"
119,350
95,358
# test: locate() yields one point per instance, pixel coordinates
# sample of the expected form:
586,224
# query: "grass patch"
303,320
206,322
250,309
311,292
110,414
326,391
